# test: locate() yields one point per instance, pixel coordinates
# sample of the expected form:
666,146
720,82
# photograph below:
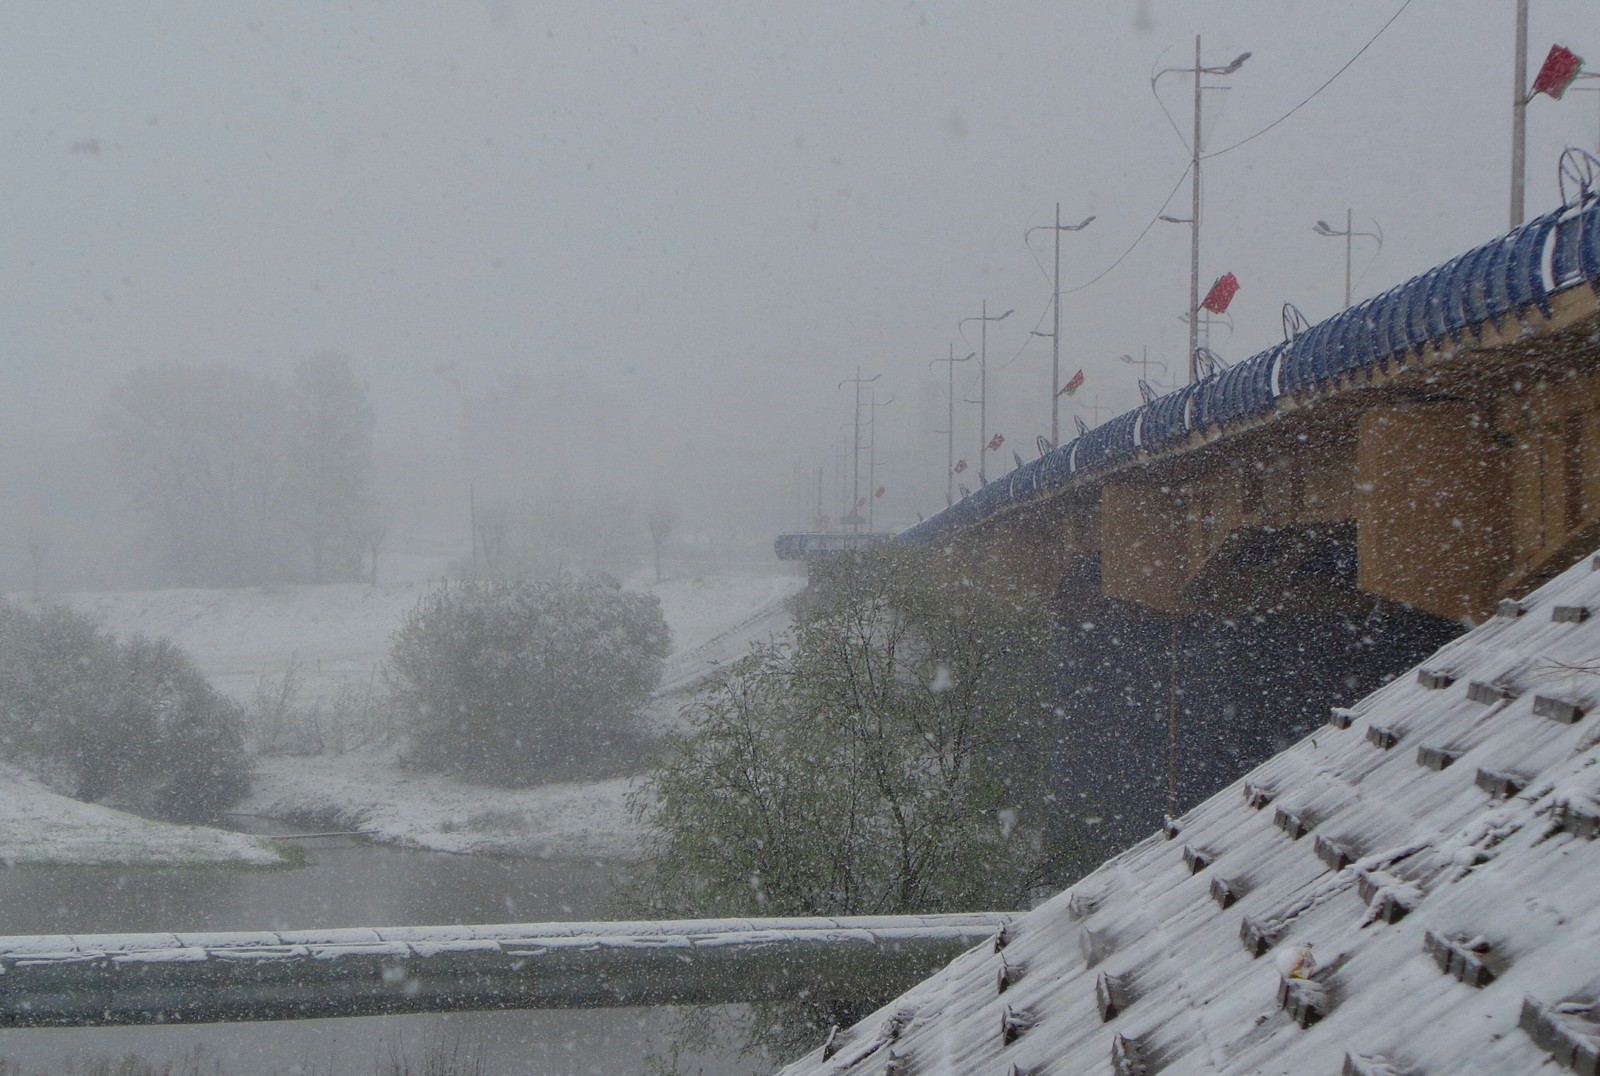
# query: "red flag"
1221,293
995,442
1072,386
1560,68
961,465
878,492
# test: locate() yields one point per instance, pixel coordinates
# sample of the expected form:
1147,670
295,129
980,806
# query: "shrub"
887,758
134,722
512,681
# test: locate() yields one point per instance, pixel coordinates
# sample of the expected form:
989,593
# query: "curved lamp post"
983,382
1348,234
950,425
1055,305
1194,170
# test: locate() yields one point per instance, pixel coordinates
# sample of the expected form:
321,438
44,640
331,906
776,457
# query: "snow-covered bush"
515,681
132,722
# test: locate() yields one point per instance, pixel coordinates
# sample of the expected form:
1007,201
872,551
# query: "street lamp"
1144,362
872,453
983,381
1055,304
1322,228
950,425
855,475
1194,170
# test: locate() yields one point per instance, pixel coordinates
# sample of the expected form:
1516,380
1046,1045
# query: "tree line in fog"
238,479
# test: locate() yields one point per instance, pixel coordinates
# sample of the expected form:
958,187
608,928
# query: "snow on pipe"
102,979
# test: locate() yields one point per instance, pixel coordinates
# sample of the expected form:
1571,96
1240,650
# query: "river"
346,883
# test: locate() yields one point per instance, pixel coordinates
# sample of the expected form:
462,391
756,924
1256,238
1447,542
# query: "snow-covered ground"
338,634
370,792
39,827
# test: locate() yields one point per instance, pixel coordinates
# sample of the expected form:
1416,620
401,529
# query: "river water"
345,884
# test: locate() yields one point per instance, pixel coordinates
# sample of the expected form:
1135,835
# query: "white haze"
656,235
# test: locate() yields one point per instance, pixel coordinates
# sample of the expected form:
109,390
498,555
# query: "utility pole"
1349,234
1519,116
1194,226
854,515
983,385
1144,362
872,452
1194,203
1349,238
1055,334
950,425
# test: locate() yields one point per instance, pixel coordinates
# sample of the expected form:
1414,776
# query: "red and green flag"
1221,294
1072,386
1560,68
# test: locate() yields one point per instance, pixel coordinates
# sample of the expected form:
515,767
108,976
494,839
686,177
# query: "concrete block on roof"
1558,709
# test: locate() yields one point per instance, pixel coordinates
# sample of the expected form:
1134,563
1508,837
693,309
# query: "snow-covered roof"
1433,844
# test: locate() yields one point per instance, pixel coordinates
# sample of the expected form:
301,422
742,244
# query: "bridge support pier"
1433,513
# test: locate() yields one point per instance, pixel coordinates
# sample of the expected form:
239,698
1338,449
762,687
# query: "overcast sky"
666,230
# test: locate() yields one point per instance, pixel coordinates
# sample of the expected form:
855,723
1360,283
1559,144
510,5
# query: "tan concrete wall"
1146,545
1554,429
1432,508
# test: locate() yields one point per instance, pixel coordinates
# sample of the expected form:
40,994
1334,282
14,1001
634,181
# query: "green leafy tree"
886,758
511,681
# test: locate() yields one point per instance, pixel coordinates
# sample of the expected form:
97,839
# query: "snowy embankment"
38,827
370,792
338,634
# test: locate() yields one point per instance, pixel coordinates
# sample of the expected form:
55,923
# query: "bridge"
1447,430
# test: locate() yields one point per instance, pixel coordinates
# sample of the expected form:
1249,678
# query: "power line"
1137,239
1102,274
1314,93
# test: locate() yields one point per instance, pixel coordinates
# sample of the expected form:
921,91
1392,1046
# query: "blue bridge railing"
1505,278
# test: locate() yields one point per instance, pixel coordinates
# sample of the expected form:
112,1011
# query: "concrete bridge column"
1432,508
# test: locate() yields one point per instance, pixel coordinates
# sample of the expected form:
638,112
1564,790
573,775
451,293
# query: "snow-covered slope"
371,792
340,632
37,826
1434,846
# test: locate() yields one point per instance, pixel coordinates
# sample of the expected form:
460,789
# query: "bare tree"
330,477
660,522
200,451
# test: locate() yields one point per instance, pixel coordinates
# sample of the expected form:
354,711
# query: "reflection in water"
345,885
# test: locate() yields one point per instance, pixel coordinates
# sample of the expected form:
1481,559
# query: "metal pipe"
109,979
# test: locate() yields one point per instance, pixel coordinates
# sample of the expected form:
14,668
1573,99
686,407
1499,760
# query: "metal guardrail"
103,979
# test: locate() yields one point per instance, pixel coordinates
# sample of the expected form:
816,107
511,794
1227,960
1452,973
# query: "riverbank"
40,828
370,792
324,639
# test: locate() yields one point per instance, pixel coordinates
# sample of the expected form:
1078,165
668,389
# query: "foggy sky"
670,229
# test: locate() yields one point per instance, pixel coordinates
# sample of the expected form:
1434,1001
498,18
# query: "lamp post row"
1196,155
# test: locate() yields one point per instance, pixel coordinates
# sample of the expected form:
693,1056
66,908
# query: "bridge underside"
1470,475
